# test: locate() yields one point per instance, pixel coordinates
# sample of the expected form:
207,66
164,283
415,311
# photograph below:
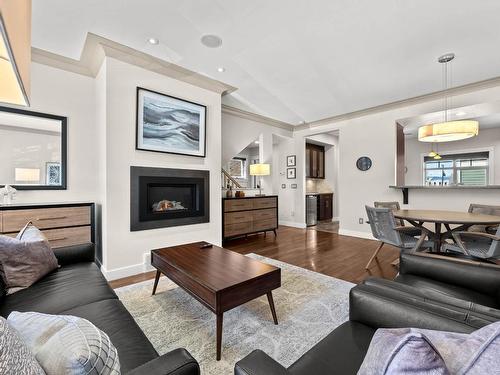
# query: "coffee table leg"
219,335
157,277
271,304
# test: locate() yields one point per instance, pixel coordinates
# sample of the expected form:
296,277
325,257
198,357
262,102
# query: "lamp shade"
448,131
27,174
260,169
15,51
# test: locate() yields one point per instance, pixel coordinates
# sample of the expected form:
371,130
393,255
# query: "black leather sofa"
79,288
379,303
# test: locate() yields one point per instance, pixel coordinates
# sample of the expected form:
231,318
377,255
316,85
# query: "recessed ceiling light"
221,69
211,41
153,41
256,142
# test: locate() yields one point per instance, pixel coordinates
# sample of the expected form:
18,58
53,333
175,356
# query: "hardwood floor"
328,253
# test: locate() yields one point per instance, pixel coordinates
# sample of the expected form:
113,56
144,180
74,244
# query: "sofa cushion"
110,316
341,352
15,356
65,344
448,289
65,288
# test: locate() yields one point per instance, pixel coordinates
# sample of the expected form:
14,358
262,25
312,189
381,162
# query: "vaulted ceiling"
294,60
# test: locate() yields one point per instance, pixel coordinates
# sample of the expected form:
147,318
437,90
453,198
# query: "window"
459,169
238,168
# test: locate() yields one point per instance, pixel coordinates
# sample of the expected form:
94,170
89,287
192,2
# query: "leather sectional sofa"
431,292
79,288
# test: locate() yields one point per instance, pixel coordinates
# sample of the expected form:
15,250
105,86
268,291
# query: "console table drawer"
268,213
237,228
68,236
264,203
238,217
237,205
43,218
264,224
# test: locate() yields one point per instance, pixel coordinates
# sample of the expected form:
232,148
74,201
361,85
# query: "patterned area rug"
309,305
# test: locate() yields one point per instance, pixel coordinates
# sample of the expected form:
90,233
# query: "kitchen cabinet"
325,206
315,161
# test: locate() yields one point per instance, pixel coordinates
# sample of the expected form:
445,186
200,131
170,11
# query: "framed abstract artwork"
291,173
169,124
52,173
291,161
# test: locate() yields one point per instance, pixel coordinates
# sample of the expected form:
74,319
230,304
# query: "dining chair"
394,206
385,228
467,243
486,210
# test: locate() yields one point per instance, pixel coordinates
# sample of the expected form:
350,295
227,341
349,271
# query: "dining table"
460,220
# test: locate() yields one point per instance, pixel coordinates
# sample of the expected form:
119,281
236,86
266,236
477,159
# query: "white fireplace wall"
125,250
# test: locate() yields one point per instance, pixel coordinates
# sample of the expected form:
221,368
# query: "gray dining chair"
485,210
394,206
385,228
479,245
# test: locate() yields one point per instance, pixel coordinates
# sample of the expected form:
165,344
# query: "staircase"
228,181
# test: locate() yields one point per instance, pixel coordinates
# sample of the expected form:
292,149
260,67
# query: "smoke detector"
211,41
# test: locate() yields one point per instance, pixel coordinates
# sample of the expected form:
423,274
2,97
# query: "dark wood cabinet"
315,161
325,206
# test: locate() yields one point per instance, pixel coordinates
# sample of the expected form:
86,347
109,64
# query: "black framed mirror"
33,150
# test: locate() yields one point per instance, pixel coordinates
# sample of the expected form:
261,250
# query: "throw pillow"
64,344
25,259
401,351
15,357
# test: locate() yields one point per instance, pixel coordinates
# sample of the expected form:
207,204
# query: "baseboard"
292,224
135,269
354,233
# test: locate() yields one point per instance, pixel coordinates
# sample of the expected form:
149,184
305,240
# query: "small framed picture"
52,173
283,186
291,173
293,186
290,161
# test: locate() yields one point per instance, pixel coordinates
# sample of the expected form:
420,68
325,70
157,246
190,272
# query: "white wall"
68,94
125,249
374,135
485,140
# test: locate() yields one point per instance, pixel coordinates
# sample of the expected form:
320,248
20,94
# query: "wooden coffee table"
218,278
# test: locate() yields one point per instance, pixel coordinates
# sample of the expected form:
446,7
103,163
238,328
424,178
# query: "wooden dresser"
242,216
64,224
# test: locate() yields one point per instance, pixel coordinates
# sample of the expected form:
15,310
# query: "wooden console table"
243,216
64,224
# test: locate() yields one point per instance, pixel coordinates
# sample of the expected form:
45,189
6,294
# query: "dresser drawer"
268,213
238,204
264,202
44,218
237,228
238,217
65,236
264,224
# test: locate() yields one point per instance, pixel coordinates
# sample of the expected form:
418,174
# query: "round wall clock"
364,163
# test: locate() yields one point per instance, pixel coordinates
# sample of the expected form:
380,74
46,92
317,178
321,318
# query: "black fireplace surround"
166,197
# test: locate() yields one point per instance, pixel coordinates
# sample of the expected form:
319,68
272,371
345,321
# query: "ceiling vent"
211,41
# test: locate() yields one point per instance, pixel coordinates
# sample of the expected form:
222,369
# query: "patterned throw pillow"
15,357
64,344
25,259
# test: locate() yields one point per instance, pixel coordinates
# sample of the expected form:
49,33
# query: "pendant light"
448,131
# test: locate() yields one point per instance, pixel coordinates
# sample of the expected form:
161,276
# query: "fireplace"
165,197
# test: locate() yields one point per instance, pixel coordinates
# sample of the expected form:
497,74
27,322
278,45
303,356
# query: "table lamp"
260,170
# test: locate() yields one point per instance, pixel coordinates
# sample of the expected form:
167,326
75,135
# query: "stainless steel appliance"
311,210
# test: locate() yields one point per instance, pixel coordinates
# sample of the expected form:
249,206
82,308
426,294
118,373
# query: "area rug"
309,305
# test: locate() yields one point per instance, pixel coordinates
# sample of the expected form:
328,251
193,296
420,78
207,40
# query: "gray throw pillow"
15,356
65,344
402,351
25,259
463,354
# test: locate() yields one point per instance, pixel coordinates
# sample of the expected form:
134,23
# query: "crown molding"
96,48
255,117
464,89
